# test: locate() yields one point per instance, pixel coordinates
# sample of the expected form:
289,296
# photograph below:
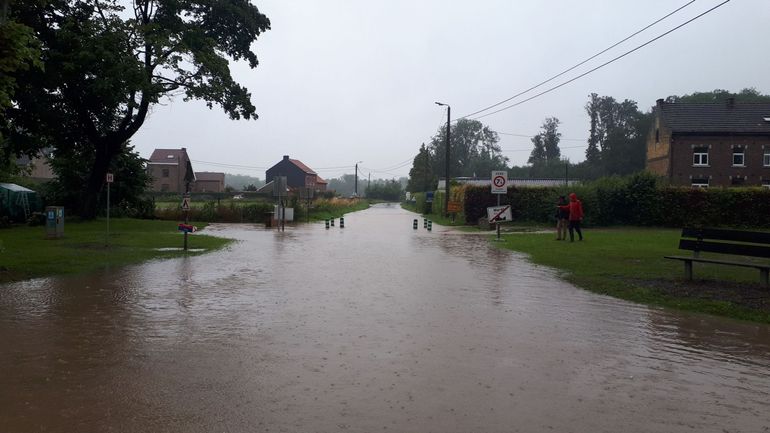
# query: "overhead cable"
580,63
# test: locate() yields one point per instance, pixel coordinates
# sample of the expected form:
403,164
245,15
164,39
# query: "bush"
638,200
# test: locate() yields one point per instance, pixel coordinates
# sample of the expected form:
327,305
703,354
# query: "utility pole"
356,179
369,183
446,171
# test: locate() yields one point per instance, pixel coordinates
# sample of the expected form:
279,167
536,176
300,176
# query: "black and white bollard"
327,224
332,220
430,225
414,224
425,223
342,222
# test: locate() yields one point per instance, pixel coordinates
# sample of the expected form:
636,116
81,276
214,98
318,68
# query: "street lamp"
356,187
446,181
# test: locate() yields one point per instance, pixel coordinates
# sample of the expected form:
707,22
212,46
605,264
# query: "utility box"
54,222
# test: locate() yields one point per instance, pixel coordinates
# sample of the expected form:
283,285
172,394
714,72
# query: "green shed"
17,202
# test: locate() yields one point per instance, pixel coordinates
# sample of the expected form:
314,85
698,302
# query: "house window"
700,156
766,183
766,159
700,183
165,172
657,135
738,181
739,157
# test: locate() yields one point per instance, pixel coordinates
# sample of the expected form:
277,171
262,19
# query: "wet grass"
628,263
335,208
25,253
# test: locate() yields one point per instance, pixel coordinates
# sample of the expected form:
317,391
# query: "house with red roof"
298,175
168,167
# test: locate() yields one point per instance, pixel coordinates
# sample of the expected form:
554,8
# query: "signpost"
499,186
110,179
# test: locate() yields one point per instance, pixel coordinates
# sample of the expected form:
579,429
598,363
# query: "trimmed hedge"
635,200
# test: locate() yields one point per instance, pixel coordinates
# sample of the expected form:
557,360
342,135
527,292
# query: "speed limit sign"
499,182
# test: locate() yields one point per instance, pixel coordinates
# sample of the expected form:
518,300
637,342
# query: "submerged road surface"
374,327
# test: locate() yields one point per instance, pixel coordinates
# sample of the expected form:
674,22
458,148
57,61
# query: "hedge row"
635,200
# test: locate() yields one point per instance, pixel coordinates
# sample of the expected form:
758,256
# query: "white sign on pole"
110,178
498,214
499,182
186,203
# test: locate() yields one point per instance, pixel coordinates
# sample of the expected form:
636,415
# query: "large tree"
421,176
473,150
546,143
618,131
749,94
106,62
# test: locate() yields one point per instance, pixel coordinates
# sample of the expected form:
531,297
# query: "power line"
603,64
581,63
532,136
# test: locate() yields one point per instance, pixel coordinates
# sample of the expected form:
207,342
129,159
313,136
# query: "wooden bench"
733,242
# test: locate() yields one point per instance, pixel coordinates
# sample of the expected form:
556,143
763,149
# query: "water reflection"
375,325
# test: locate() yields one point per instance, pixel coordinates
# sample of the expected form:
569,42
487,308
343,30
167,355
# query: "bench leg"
688,269
763,277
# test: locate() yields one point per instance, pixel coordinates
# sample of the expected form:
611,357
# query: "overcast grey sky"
343,81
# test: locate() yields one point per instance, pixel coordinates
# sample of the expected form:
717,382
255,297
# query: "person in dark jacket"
562,218
575,217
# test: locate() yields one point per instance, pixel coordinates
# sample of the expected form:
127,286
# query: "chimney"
286,157
660,102
730,102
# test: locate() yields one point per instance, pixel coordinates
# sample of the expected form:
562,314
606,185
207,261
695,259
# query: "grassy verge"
25,253
628,263
335,208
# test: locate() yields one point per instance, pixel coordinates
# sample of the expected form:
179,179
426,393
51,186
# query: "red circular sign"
499,181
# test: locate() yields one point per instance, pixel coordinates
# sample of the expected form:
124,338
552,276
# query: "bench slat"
727,235
721,262
716,247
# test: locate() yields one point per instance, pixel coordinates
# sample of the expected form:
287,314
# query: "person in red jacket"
575,217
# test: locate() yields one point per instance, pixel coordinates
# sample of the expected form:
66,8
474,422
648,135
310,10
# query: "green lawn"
25,253
628,263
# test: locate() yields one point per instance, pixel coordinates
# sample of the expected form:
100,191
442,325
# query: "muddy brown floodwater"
374,327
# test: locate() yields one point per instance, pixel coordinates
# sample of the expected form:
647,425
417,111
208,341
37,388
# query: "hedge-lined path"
374,327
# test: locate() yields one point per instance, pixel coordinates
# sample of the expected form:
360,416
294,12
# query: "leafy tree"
421,176
344,185
129,170
749,94
546,143
105,65
618,131
473,150
389,190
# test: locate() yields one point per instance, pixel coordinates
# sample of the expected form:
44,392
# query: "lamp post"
446,181
356,186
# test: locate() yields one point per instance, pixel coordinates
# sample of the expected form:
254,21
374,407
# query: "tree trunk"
104,153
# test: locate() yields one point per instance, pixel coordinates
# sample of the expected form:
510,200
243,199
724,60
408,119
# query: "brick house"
207,181
298,175
167,168
711,144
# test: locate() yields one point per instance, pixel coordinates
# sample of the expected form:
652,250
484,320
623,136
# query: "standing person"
562,218
575,217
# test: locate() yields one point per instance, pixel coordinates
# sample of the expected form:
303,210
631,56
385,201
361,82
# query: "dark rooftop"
724,117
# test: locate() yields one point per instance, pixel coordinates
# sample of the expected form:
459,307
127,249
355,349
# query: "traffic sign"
499,214
186,204
499,182
110,178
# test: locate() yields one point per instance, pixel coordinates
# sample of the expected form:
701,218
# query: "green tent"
17,202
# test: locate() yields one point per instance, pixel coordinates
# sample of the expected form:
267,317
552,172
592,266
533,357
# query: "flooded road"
374,327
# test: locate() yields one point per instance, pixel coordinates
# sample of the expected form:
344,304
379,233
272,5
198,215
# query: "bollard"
425,223
430,225
342,222
327,223
414,224
332,220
